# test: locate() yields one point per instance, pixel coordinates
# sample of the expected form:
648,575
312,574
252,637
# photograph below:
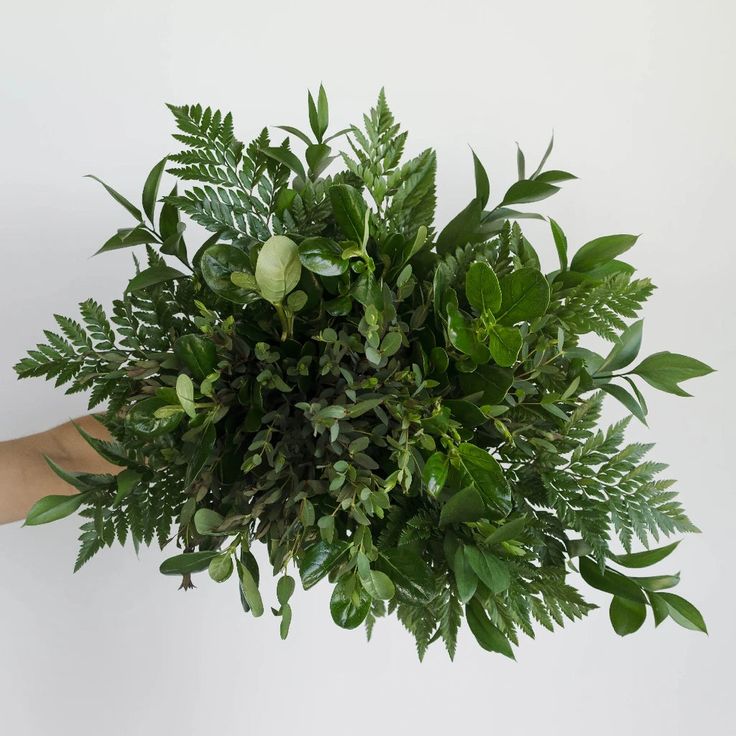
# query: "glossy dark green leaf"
491,571
465,505
218,263
322,256
665,371
528,190
626,616
504,344
150,188
52,508
119,198
318,560
486,474
349,604
188,562
683,612
600,251
524,296
348,207
610,581
647,557
482,288
198,353
487,634
411,575
142,420
434,474
466,412
377,584
153,276
278,268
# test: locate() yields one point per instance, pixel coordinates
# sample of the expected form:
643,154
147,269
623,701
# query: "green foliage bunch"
408,412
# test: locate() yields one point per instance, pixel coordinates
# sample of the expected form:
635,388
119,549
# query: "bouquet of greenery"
409,413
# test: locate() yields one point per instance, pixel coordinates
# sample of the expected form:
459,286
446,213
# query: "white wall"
640,95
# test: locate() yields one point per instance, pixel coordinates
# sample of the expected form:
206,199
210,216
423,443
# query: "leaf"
629,401
318,560
286,157
482,185
465,578
490,381
504,344
528,190
462,335
119,198
657,582
466,412
323,112
141,418
486,475
217,264
665,371
185,394
152,276
285,589
220,568
524,296
683,612
278,268
646,558
465,505
625,349
560,243
600,251
409,573
492,572
554,176
509,530
250,590
206,521
489,636
198,353
150,188
349,604
482,288
285,621
659,608
127,239
201,454
322,256
52,508
434,473
460,229
188,562
349,208
378,585
610,581
626,616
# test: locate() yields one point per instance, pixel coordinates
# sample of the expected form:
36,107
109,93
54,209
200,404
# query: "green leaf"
434,473
486,475
629,401
205,445
600,251
461,229
285,621
490,381
657,582
278,268
610,581
187,563
285,589
349,208
142,420
322,256
220,568
185,394
528,190
462,335
491,571
323,112
409,573
509,530
504,344
217,264
349,604
524,296
206,521
152,276
286,157
482,185
318,560
250,590
466,412
482,288
119,198
52,508
150,188
465,577
625,349
683,612
665,371
378,585
626,616
128,238
659,608
465,505
554,176
198,353
126,481
488,635
560,243
646,558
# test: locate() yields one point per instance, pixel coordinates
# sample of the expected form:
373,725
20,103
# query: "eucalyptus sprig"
411,414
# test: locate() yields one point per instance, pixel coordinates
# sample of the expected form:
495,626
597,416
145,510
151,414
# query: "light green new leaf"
434,473
278,268
185,394
504,344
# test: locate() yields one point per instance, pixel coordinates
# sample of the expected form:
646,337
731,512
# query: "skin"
24,475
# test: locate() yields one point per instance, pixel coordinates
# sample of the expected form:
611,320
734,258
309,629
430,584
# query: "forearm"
24,475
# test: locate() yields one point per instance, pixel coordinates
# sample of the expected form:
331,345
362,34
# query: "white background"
640,95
